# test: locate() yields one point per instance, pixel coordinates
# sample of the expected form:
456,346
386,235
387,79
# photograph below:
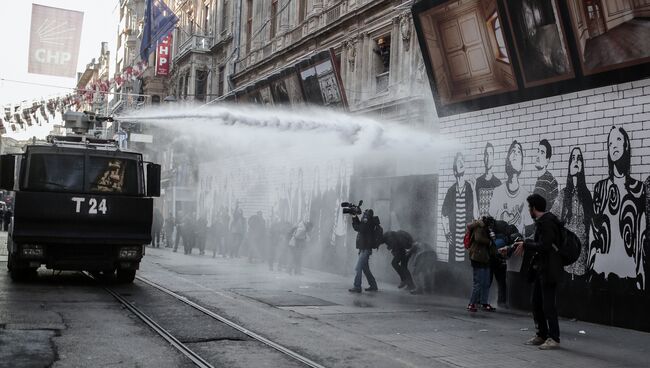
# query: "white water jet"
242,128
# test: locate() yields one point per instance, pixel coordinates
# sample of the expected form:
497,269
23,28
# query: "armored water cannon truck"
81,203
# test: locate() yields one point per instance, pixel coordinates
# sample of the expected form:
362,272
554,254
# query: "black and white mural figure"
486,183
509,200
574,207
457,211
619,223
546,185
646,247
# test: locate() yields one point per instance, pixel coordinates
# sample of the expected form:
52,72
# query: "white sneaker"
549,344
537,341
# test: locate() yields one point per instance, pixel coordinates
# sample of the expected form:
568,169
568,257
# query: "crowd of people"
278,243
490,243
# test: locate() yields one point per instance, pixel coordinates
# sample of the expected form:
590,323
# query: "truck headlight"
33,251
130,252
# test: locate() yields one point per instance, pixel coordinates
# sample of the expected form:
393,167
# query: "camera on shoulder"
352,209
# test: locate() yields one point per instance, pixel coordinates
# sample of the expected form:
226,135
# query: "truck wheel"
102,276
125,276
20,273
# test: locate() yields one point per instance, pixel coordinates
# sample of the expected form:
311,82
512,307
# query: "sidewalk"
3,246
414,328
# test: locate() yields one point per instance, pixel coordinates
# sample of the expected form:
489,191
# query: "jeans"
296,257
481,285
363,265
399,263
499,271
545,310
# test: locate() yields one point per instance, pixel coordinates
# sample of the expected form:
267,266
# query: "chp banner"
163,54
54,41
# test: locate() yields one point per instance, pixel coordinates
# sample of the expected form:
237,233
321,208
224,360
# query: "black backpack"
569,247
377,236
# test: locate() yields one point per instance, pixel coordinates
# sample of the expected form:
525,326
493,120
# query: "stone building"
145,89
127,54
92,78
201,49
377,55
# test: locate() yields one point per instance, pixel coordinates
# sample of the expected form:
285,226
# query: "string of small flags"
20,116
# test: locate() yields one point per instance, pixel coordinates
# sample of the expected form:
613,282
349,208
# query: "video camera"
351,208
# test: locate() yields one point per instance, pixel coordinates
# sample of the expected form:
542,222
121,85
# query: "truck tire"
105,275
19,272
125,276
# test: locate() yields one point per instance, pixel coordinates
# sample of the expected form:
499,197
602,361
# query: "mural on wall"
612,224
619,223
467,50
478,56
486,183
540,42
509,200
574,207
457,211
546,185
599,24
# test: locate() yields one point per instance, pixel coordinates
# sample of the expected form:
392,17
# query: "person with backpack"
367,229
399,243
481,250
545,271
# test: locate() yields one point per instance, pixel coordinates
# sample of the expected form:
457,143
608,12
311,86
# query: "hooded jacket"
365,231
398,241
546,262
481,247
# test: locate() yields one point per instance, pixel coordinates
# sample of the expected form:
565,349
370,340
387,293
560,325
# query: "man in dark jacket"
545,272
399,242
365,228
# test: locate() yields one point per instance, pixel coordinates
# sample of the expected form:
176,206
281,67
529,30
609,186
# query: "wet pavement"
64,320
316,314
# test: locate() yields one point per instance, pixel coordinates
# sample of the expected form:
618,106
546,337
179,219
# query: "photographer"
400,243
366,229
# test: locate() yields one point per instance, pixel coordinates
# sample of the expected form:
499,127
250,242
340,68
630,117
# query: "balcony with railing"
312,24
195,43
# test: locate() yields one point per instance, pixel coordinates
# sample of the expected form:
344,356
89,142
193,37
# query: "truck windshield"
72,173
56,172
112,175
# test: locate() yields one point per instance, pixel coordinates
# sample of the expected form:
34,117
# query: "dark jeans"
296,258
237,239
155,239
399,263
499,270
363,265
178,238
545,310
481,285
169,232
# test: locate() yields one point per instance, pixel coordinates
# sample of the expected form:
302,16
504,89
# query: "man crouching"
399,243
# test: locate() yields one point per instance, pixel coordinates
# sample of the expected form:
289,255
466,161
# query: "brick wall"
581,119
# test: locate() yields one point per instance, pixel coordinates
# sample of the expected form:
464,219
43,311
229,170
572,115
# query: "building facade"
376,53
202,49
91,86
